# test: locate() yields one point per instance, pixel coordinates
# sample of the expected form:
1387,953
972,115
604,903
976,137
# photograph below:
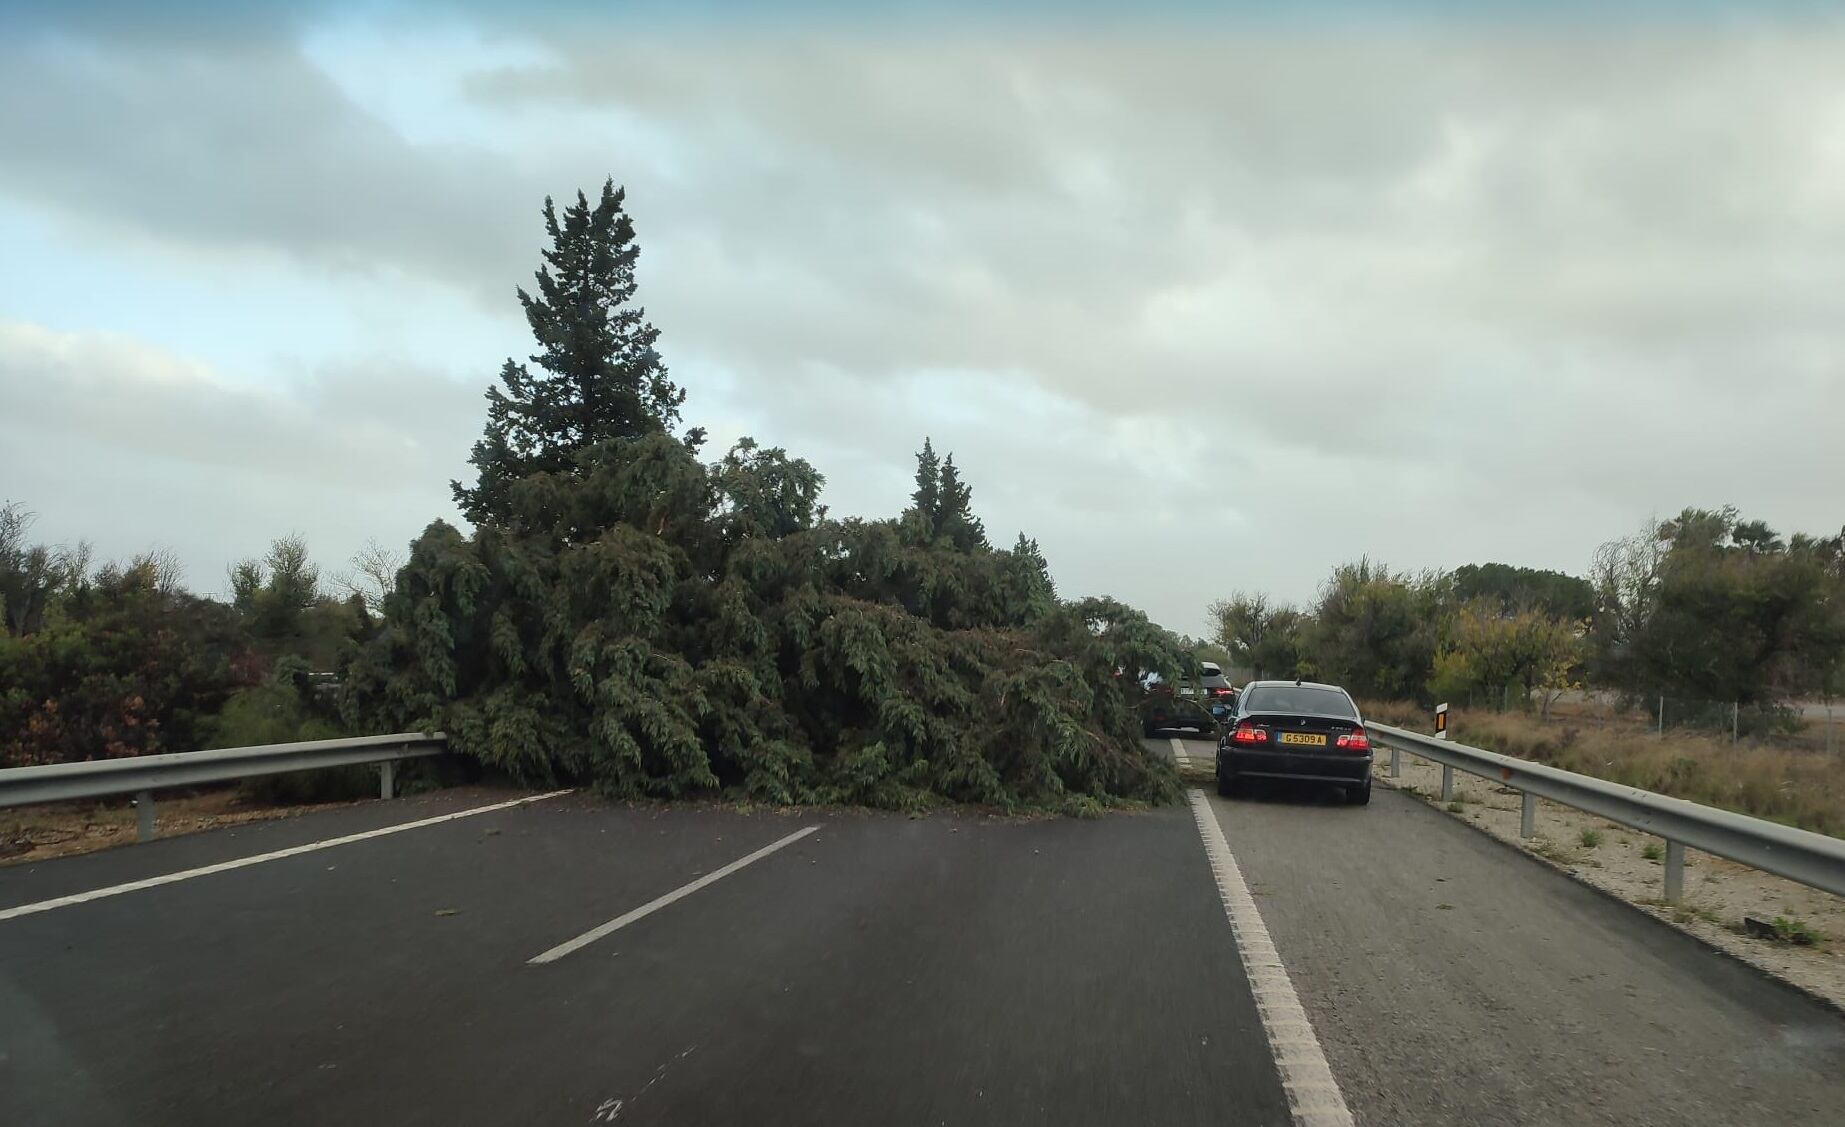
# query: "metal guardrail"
143,774
1808,858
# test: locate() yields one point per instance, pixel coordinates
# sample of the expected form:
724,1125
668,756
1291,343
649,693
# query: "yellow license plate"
1304,739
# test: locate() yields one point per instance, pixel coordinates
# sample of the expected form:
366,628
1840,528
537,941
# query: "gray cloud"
131,447
243,146
1287,294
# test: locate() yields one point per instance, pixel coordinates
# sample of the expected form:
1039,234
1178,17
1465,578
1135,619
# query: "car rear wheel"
1226,785
1359,796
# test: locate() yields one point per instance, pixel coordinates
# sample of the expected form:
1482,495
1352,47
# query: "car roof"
1294,684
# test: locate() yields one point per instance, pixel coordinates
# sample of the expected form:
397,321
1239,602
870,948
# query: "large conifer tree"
598,376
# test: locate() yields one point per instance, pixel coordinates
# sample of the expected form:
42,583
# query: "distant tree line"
117,659
1705,606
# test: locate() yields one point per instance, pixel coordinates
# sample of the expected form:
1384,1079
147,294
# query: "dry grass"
1798,788
36,833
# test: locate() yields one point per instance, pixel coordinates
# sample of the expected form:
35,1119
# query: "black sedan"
1165,711
1296,730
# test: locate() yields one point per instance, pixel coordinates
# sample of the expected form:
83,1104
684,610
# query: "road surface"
874,969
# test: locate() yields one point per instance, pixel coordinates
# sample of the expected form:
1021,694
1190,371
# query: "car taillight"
1246,734
1355,741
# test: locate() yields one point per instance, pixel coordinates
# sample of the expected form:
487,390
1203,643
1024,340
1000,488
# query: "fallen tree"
627,615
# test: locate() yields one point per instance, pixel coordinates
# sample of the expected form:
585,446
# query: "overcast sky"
1201,302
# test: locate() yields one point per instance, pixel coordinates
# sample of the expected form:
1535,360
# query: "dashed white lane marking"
1313,1094
244,862
659,902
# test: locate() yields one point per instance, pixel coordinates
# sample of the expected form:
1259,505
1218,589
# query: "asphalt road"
950,969
881,969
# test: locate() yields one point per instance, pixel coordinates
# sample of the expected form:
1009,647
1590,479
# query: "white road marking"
659,902
1313,1094
244,862
1179,753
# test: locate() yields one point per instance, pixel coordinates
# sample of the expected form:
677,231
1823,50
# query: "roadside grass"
1590,838
1653,851
1456,806
1794,787
1795,931
1684,913
1553,851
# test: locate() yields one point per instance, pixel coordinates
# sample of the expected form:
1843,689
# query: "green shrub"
1794,931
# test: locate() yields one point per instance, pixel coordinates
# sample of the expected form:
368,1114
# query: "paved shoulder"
1453,980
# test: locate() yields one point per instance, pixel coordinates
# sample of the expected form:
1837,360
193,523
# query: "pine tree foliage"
599,375
627,616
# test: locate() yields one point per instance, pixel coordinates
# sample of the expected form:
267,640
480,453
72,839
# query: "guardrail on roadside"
143,774
1808,858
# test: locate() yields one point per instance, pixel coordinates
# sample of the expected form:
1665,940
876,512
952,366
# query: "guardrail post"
384,779
1527,816
144,815
1447,783
1675,871
1396,762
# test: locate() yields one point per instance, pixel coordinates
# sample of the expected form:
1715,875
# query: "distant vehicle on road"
1164,710
1213,679
1296,730
1211,682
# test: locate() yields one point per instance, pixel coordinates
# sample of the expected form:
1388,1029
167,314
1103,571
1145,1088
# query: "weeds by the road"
1685,913
1798,788
1552,851
1456,806
1798,932
1653,851
1590,838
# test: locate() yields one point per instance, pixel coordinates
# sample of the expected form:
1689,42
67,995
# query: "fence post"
1447,783
1735,718
384,779
144,815
1527,816
1396,762
1661,730
1675,871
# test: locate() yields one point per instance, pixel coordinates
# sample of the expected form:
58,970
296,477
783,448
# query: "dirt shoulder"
1719,894
37,833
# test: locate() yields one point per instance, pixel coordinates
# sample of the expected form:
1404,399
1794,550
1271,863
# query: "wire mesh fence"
1810,725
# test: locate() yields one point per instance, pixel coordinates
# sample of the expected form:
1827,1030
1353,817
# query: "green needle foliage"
627,615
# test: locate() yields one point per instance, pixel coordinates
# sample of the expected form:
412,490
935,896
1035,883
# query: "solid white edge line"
659,902
277,855
1306,1078
1179,754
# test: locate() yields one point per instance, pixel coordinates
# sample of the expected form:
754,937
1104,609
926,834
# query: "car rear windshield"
1298,698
